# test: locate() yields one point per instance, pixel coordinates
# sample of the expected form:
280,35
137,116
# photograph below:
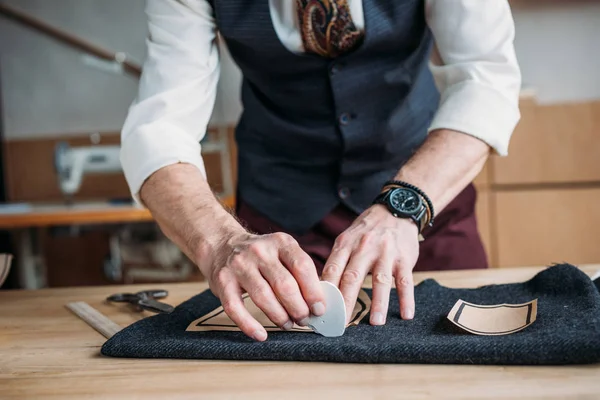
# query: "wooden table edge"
91,216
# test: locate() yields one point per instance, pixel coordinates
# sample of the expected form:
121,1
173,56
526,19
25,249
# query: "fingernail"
318,309
288,325
304,322
378,318
260,335
408,313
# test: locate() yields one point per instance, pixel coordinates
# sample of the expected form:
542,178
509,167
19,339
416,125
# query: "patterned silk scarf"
327,28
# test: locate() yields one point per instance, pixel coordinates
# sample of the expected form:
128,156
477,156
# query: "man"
348,150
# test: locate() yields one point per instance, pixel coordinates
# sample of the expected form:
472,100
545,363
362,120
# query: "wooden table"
46,352
85,213
26,221
45,215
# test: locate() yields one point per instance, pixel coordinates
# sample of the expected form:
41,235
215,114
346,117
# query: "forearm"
444,165
187,211
166,123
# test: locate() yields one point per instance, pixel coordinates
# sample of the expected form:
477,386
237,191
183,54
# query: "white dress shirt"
473,64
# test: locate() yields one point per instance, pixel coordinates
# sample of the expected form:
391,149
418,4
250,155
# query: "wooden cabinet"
541,204
553,144
541,227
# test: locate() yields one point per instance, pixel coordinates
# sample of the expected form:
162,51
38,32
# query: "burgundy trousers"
452,243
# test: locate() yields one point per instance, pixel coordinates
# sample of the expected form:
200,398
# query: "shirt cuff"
480,111
141,157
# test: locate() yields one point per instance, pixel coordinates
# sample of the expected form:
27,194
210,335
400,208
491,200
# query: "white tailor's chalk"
333,322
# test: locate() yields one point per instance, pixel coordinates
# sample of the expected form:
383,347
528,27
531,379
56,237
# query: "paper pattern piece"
217,320
493,320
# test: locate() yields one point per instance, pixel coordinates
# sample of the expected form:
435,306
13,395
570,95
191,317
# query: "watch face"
405,201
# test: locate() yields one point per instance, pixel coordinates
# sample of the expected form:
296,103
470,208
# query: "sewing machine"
72,163
137,252
132,248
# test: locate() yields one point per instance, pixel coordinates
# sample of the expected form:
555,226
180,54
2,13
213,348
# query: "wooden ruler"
94,318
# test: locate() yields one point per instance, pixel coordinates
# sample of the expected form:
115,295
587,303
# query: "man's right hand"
280,278
278,275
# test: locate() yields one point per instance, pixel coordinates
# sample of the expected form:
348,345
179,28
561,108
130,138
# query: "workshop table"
27,221
47,352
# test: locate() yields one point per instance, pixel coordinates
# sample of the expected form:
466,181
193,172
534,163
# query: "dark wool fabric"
567,330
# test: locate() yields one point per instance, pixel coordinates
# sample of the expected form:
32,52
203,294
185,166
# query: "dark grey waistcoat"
316,132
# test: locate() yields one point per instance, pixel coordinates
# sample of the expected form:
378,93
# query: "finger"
353,278
231,299
382,284
336,263
304,273
262,295
286,291
406,292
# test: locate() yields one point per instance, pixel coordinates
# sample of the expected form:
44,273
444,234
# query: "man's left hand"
384,245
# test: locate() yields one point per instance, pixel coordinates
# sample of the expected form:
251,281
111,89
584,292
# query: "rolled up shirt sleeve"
475,69
176,94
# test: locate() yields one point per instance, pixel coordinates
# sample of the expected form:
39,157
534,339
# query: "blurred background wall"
557,46
48,87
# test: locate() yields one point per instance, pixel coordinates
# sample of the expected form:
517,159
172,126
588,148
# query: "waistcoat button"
344,192
344,119
334,69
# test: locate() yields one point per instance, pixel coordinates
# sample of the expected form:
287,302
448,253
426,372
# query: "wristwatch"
404,203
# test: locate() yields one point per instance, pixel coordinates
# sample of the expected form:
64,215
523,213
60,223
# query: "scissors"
144,300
